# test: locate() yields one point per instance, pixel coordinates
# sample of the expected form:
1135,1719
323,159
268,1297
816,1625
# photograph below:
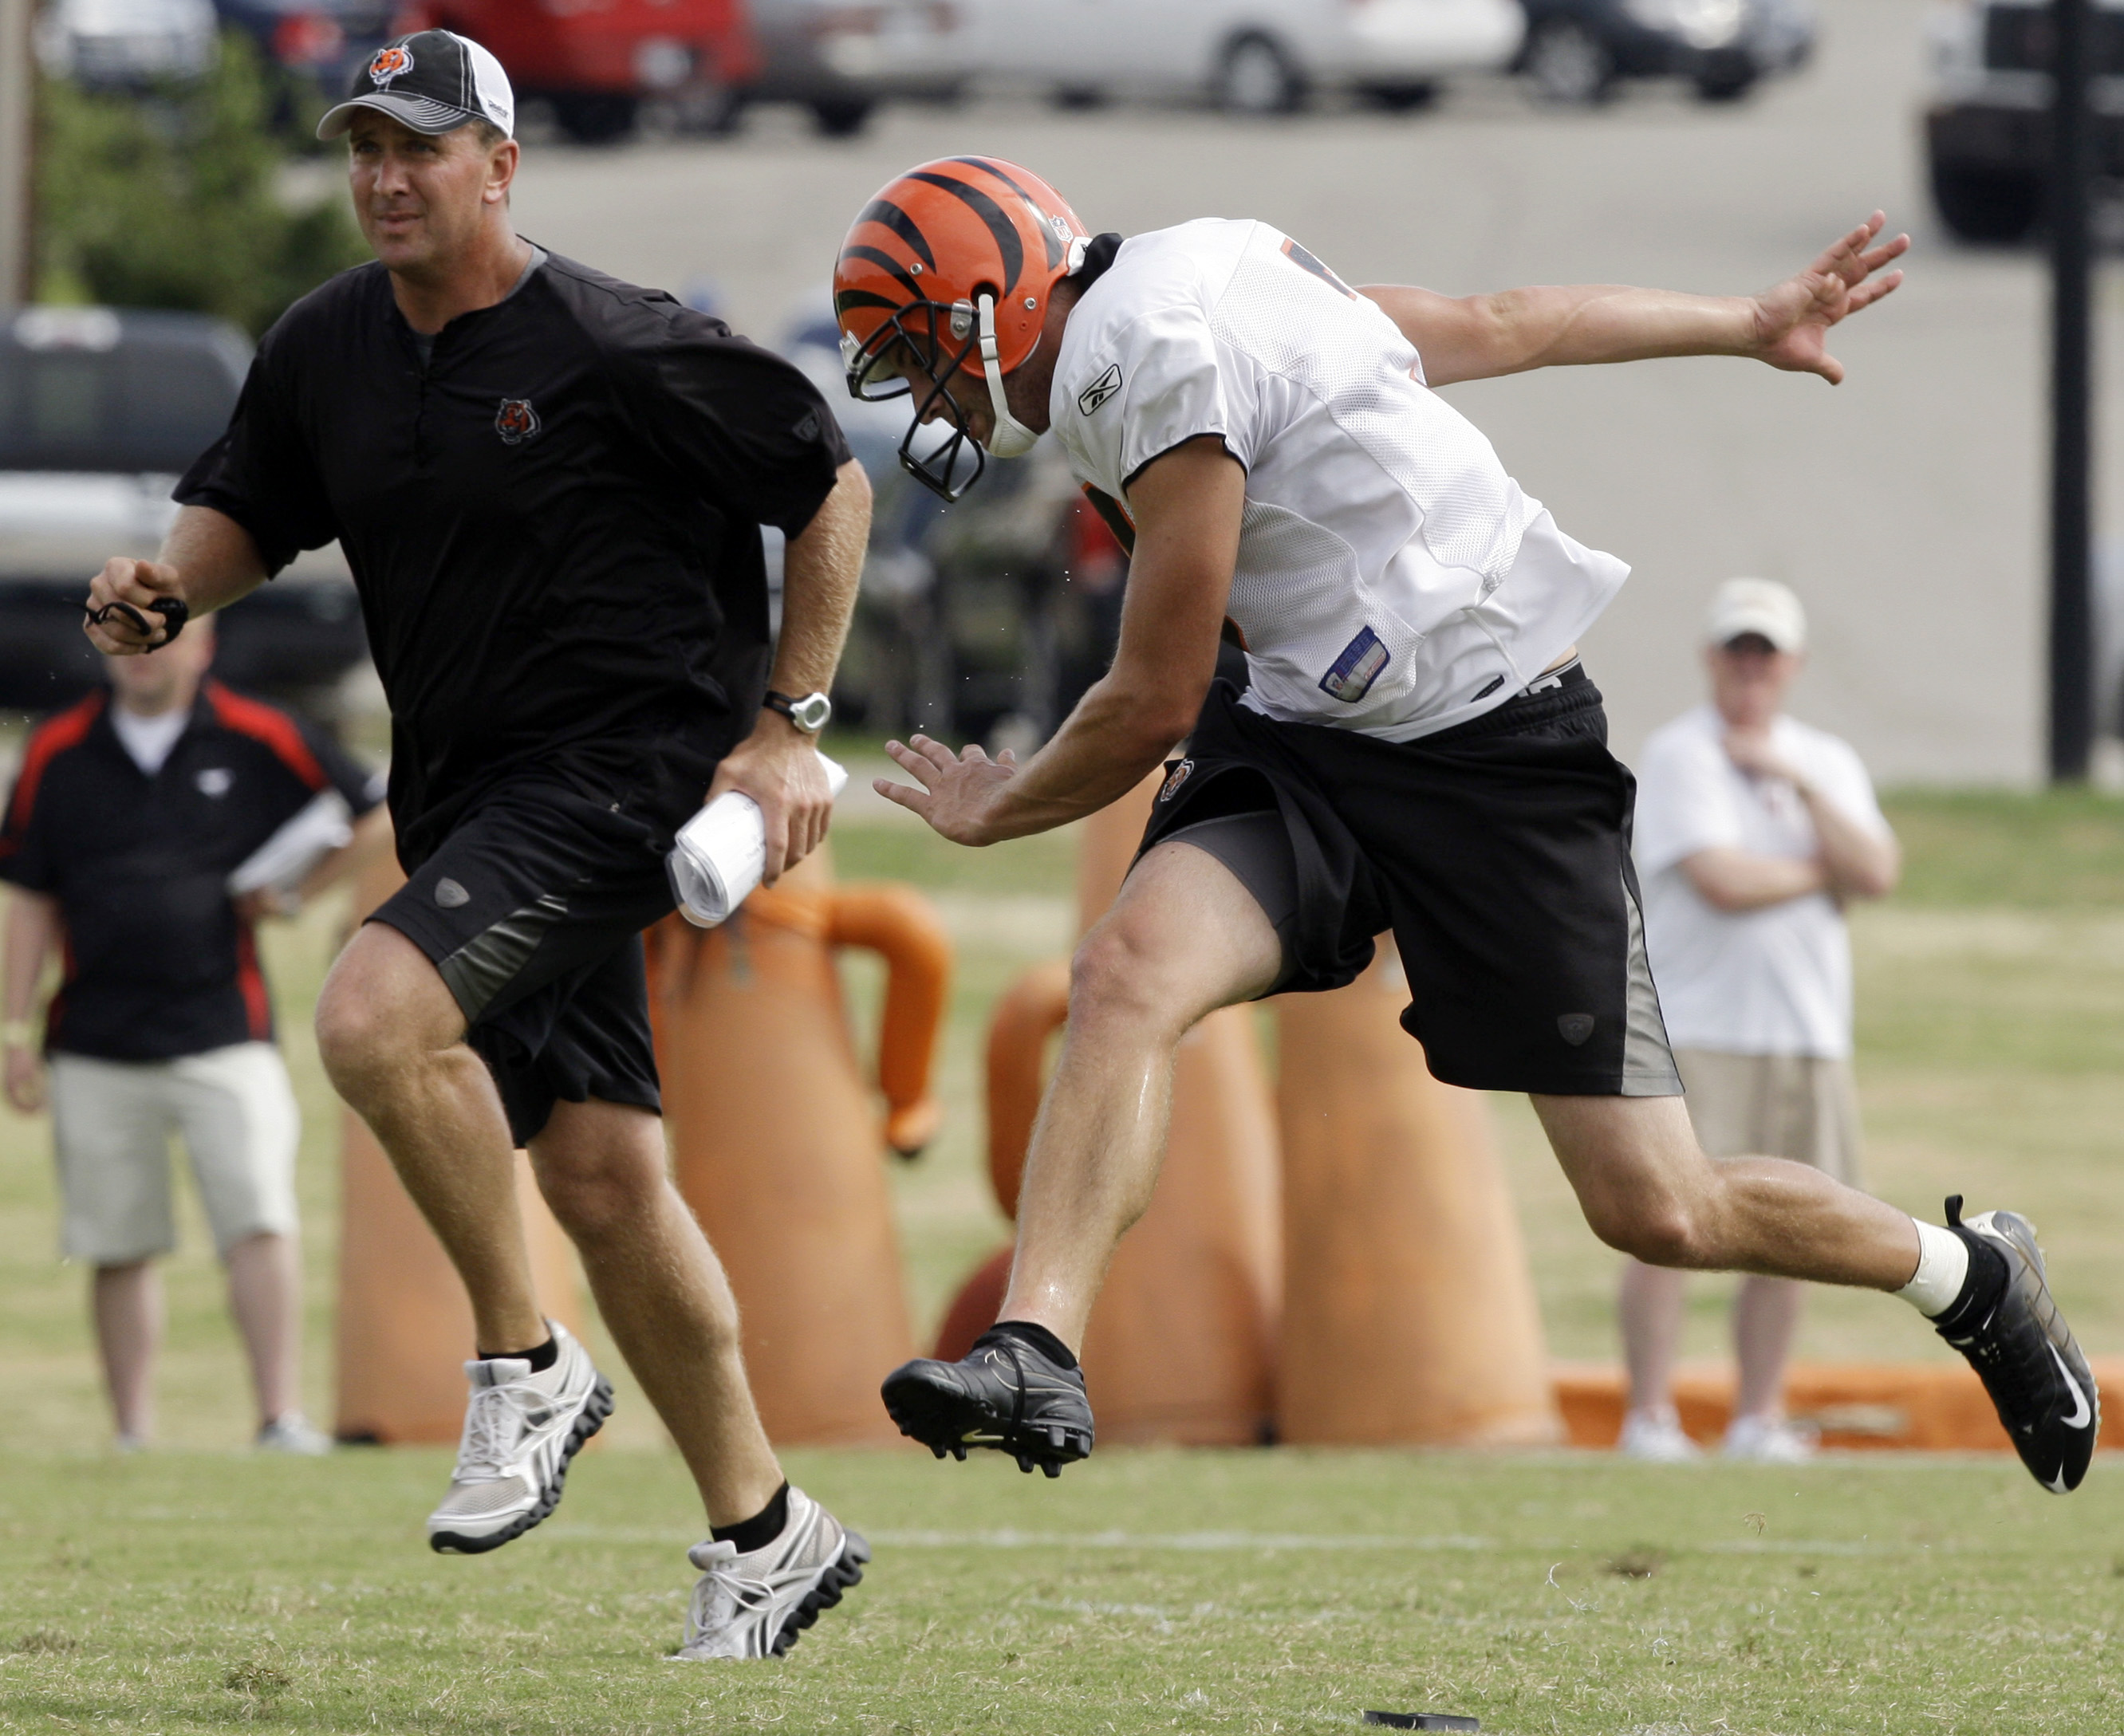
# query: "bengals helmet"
951,260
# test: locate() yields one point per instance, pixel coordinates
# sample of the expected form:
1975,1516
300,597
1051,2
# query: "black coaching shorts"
1499,854
532,910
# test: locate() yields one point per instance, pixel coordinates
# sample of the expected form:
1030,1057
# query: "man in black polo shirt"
549,485
130,813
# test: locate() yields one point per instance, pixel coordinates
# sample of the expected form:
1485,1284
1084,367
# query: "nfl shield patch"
1356,668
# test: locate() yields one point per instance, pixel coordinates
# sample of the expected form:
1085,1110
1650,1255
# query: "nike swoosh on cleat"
2082,1415
2056,1485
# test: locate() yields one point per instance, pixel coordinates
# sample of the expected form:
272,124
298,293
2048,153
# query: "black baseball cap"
432,82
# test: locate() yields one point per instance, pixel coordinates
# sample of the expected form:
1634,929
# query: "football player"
1406,740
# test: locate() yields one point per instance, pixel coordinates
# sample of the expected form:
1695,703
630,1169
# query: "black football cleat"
2026,1356
1005,1394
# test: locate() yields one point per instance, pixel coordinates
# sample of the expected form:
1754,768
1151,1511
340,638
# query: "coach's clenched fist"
137,587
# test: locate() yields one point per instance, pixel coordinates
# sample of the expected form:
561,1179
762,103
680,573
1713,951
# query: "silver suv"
101,411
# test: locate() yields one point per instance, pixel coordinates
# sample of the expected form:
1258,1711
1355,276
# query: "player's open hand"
139,585
779,766
959,791
1792,318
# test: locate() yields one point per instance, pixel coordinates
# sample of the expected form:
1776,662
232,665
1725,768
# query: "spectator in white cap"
1753,833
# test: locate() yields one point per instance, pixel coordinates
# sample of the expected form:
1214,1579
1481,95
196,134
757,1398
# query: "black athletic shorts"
1498,853
532,910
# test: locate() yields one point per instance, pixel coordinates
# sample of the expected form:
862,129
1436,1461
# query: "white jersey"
1775,981
1391,578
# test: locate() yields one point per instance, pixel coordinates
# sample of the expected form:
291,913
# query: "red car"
594,61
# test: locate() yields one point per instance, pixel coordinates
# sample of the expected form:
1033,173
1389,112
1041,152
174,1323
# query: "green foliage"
170,201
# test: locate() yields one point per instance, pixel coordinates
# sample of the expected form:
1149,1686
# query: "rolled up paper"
282,862
720,854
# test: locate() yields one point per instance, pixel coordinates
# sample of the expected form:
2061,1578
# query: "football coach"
549,485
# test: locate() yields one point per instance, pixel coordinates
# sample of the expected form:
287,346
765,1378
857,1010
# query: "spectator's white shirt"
1775,981
1391,578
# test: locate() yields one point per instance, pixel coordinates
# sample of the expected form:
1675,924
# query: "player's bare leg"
1648,1189
662,1294
391,1038
1184,938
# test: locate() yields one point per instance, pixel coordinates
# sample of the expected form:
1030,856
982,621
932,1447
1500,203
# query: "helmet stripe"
849,299
990,213
989,164
884,211
878,258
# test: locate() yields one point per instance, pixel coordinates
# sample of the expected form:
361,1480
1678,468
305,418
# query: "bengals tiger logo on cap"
391,63
516,421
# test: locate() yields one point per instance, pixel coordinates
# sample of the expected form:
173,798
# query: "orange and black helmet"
951,260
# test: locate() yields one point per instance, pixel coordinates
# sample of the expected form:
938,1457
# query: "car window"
144,406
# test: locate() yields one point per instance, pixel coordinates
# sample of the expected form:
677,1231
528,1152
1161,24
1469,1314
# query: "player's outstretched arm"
1186,506
1481,336
207,562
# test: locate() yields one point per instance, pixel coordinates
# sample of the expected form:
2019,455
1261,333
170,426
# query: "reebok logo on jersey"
516,421
1306,262
391,63
1100,390
1356,668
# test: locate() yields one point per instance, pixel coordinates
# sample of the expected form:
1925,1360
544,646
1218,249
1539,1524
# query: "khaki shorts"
111,1122
1801,1107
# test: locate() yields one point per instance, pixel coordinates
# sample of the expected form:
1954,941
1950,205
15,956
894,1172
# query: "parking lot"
1907,506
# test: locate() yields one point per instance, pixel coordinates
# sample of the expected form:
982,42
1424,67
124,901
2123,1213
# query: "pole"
17,105
2071,636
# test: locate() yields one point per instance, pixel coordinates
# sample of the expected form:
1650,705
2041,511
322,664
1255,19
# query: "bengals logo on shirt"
391,63
516,421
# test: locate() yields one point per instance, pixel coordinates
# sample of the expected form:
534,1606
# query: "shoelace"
741,1591
496,1419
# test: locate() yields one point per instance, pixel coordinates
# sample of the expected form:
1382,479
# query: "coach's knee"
376,1016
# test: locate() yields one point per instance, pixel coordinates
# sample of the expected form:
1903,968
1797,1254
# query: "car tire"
1400,99
1570,66
595,117
1256,77
1726,86
1982,205
842,117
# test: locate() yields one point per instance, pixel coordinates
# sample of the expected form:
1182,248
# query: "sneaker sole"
835,1583
595,1411
937,1419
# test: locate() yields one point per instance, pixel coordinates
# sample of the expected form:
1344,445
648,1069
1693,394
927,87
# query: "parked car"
1249,56
595,62
126,44
840,61
1577,51
322,40
1987,128
101,411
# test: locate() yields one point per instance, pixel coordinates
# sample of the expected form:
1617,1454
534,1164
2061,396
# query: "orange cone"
1180,1344
1409,1312
404,1324
776,1135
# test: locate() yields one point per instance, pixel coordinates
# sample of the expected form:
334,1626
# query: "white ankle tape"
1943,1269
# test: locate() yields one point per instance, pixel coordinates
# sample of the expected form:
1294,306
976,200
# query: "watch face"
812,712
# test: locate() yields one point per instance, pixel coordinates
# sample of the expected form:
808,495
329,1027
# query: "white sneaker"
1769,1440
520,1430
756,1606
290,1432
1656,1436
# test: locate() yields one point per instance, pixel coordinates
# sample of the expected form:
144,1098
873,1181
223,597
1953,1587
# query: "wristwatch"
810,712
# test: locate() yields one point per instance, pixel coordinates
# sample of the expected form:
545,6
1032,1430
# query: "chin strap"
1010,437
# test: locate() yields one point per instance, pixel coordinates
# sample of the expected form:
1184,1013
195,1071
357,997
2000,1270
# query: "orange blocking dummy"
405,1325
776,1136
1409,1313
1180,1346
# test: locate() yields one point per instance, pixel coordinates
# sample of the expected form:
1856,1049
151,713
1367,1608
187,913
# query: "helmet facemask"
899,357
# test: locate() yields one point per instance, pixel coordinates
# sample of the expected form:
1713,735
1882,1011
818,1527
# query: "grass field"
193,1588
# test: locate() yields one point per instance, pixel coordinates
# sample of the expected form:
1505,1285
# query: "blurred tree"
170,199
